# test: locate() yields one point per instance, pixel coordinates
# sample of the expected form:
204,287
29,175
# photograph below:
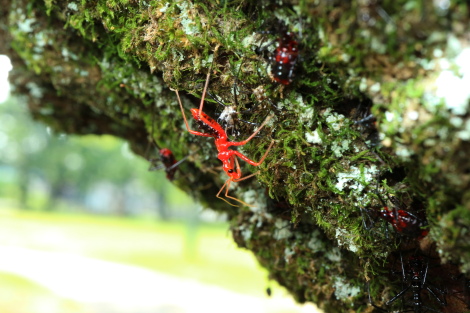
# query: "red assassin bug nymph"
228,157
168,162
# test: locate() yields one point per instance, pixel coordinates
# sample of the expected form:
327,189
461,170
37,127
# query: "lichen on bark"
106,67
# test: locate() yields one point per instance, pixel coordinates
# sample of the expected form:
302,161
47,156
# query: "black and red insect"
366,123
284,58
406,223
415,285
168,162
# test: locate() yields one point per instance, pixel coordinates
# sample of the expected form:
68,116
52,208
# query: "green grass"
206,252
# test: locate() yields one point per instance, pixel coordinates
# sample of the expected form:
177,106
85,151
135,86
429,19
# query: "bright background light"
5,67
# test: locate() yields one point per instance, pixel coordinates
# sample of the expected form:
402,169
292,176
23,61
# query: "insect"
414,276
168,162
285,58
228,157
269,292
366,123
166,158
406,223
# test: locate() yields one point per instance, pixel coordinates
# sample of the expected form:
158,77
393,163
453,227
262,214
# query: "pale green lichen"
282,230
357,178
334,255
72,6
190,26
313,137
345,290
452,85
316,244
35,90
345,240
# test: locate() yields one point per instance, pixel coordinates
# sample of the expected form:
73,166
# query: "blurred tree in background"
49,171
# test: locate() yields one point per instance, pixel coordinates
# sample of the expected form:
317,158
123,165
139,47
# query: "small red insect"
409,224
168,161
228,157
285,58
405,223
413,225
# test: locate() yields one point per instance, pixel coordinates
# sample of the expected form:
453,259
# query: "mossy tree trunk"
106,67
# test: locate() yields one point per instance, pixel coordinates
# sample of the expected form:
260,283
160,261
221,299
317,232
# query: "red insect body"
405,223
207,124
285,58
168,160
228,157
